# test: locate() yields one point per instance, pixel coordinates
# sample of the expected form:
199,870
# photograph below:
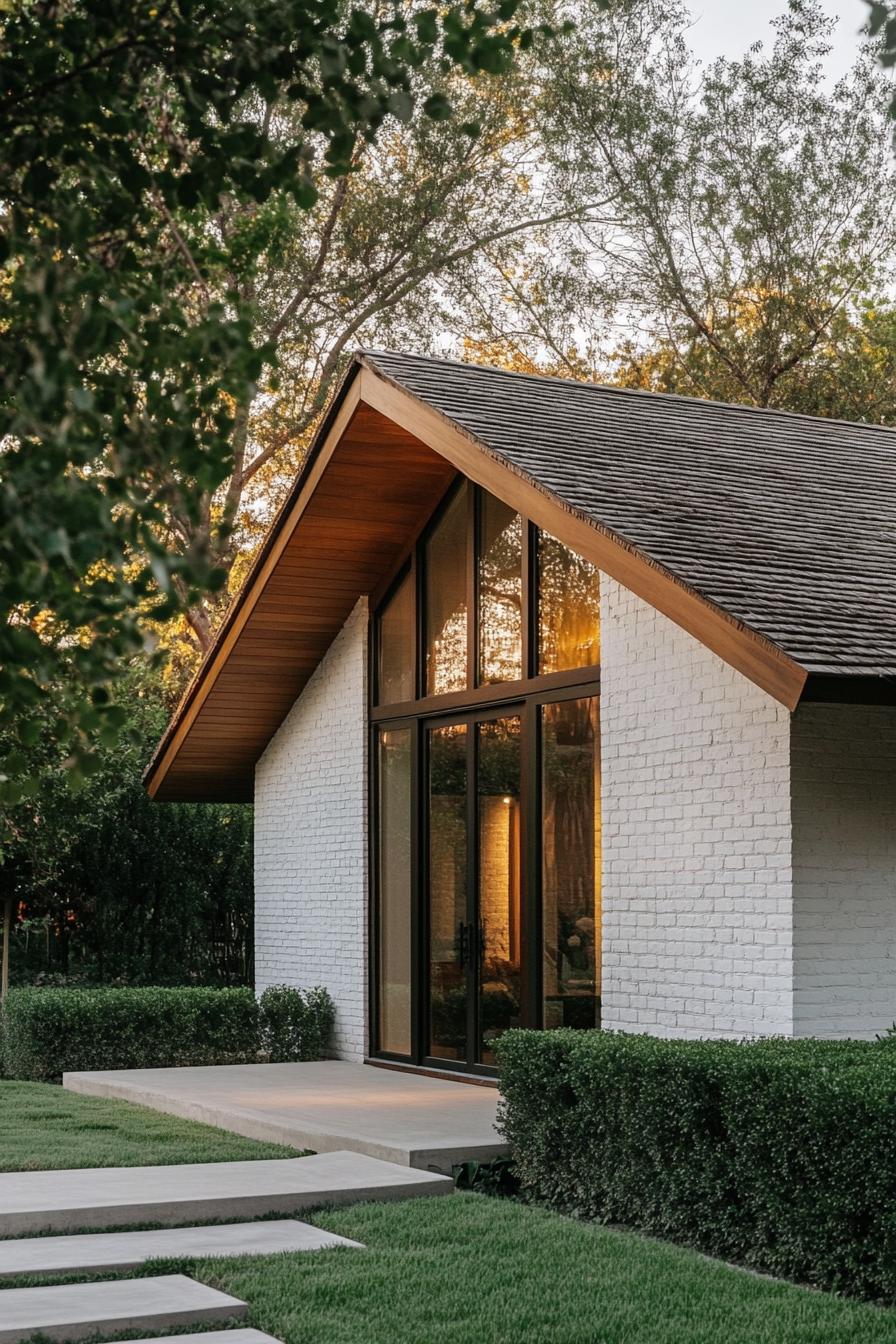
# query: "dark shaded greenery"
777,1154
295,1024
127,353
109,886
48,1032
466,1269
43,1128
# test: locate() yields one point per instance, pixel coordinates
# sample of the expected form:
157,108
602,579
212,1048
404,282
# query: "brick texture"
311,840
844,847
697,920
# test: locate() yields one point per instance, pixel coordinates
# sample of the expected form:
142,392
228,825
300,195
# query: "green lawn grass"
44,1127
471,1270
458,1270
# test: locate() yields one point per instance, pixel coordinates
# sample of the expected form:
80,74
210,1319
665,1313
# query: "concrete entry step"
68,1201
80,1310
326,1105
105,1251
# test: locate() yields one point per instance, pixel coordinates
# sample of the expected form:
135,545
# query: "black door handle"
463,948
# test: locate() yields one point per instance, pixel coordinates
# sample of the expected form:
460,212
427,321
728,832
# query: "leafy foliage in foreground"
48,1032
778,1154
123,352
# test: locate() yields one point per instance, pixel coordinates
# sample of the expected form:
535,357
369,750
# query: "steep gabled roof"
769,536
786,521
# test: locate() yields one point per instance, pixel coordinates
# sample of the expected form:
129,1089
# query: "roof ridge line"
372,352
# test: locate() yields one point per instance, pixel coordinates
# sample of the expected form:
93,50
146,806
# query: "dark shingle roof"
788,522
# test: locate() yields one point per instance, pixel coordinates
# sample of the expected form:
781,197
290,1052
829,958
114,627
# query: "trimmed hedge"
295,1026
48,1032
780,1155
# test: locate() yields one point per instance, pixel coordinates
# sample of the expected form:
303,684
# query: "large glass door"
473,887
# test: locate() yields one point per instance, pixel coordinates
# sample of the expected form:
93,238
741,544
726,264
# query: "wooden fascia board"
281,533
750,653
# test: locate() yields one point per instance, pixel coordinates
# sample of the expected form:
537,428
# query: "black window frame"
524,696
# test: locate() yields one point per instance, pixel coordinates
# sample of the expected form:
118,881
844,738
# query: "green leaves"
125,348
775,1154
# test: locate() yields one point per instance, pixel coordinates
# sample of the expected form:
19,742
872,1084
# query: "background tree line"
547,186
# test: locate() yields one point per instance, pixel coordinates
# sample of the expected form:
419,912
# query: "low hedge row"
778,1154
48,1032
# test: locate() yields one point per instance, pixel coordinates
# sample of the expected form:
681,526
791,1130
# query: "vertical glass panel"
446,600
568,608
395,643
570,790
500,560
394,852
448,931
498,799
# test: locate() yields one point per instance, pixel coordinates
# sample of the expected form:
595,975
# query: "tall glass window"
449,950
500,561
498,853
394,933
474,786
445,569
395,646
570,874
568,608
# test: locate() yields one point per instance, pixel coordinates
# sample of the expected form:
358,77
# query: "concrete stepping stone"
102,1251
79,1310
103,1197
214,1337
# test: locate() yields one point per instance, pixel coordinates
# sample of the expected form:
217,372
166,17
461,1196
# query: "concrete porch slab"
104,1197
107,1251
409,1118
81,1310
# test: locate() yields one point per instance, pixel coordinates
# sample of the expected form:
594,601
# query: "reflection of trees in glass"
571,869
500,592
446,600
568,608
395,890
395,673
447,881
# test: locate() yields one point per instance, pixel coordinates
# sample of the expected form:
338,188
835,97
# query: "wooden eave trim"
750,653
279,537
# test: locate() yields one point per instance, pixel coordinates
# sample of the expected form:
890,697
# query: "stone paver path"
107,1197
107,1251
77,1311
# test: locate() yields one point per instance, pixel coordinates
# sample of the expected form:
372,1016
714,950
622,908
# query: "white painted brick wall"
844,846
697,920
311,840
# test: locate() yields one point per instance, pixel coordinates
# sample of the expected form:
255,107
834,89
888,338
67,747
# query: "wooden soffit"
379,466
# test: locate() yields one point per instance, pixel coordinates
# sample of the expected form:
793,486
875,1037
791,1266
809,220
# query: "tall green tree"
126,355
106,885
754,204
398,252
850,375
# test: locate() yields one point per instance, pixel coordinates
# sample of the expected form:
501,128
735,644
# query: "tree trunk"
7,931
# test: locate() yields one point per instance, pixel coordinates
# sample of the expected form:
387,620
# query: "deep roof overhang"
379,464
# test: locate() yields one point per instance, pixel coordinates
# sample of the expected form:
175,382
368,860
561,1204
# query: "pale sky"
728,27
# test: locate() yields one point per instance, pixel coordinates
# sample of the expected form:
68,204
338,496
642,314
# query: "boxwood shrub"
48,1032
778,1154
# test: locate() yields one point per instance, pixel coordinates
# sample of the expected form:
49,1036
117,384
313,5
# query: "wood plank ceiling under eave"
375,490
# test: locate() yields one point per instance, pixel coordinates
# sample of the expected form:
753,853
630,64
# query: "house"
562,704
